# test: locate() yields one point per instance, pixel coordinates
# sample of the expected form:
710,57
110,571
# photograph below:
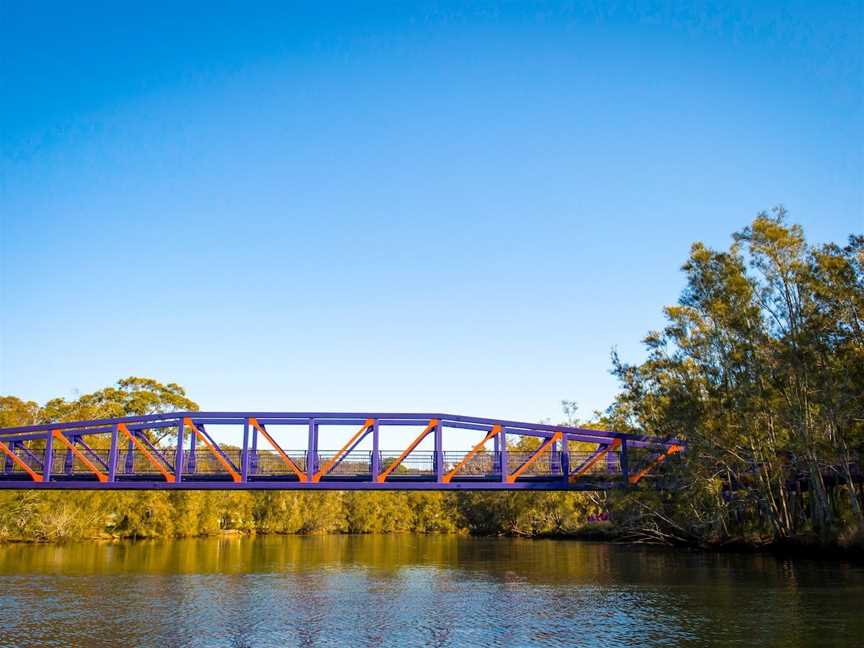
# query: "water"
418,591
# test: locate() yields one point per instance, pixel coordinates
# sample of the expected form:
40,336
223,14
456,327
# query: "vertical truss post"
7,465
112,454
244,456
253,460
502,457
565,458
376,455
439,451
192,464
312,450
178,453
496,453
48,462
625,466
553,458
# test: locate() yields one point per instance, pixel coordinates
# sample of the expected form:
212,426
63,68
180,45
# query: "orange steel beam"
494,431
408,450
234,474
672,450
333,460
143,448
543,448
288,460
102,477
8,452
595,459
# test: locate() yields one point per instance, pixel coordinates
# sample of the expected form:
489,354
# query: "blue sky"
378,206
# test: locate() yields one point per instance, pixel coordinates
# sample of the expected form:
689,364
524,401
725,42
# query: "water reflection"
417,590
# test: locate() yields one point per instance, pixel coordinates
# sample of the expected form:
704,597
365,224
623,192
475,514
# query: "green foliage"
761,368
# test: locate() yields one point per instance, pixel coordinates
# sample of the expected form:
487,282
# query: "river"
418,591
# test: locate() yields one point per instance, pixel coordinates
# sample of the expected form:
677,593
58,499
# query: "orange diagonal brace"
227,466
543,448
288,460
334,460
14,457
595,459
672,450
102,477
494,431
144,450
408,450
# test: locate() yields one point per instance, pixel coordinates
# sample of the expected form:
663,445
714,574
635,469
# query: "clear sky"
393,206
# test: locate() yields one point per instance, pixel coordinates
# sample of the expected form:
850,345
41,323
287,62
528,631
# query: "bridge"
178,450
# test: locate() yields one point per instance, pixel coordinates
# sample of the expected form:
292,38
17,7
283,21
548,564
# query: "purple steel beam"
112,454
178,452
39,462
312,450
8,463
143,438
216,446
555,484
254,462
244,453
92,454
48,461
192,464
376,453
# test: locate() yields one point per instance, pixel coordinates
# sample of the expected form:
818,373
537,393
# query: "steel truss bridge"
176,451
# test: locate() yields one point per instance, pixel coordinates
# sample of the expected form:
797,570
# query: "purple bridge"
176,451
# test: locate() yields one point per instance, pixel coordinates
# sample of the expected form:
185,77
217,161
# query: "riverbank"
597,532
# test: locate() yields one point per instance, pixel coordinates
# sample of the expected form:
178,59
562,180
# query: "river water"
418,591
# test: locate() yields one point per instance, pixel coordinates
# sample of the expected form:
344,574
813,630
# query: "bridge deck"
176,451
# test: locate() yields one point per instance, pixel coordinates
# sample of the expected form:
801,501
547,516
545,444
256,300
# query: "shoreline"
797,549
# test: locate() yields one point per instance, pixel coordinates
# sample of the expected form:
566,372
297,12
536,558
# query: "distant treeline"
760,368
53,516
